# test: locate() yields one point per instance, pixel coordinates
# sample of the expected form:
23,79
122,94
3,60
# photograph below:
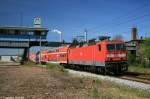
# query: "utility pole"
85,35
29,47
40,51
61,37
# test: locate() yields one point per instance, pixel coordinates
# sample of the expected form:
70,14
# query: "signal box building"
22,37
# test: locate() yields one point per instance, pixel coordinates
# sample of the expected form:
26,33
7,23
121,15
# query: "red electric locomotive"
104,56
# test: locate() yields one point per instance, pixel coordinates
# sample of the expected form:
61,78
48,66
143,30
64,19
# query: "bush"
55,66
131,59
30,63
145,53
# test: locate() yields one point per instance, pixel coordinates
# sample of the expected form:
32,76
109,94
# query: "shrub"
131,59
56,67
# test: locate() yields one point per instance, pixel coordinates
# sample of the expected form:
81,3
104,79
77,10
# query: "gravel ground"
131,84
26,82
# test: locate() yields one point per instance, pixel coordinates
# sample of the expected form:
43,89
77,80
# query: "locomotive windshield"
115,47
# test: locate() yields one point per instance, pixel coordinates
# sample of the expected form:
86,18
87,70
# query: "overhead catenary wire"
126,21
128,18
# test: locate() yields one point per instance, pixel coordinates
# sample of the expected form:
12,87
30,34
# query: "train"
107,57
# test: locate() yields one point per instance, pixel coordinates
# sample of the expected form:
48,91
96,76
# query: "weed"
56,67
29,63
107,96
51,66
138,92
139,68
95,89
95,93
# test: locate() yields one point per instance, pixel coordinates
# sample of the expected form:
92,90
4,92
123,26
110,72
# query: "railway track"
132,76
138,77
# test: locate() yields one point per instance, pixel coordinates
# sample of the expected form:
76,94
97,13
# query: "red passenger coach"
32,56
62,57
40,56
44,58
104,56
52,56
58,56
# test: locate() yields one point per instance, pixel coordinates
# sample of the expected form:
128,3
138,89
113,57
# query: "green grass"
95,92
110,90
51,66
30,63
56,67
139,69
137,92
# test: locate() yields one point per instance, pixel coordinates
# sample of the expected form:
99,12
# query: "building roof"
23,32
24,28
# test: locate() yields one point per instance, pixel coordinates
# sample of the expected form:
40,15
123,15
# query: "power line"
127,21
136,18
124,16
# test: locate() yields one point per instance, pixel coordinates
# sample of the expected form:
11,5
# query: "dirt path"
40,83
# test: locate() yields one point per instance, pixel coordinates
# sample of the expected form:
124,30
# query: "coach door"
94,55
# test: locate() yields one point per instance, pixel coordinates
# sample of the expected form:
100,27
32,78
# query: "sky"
72,17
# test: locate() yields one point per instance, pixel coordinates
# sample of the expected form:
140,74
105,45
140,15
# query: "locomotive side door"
94,50
98,54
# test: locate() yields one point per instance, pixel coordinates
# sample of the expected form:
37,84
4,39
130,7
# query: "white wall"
5,59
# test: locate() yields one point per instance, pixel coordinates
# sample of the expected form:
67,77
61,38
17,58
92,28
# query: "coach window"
99,47
62,55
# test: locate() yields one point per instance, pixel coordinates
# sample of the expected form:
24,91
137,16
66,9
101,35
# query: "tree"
131,58
74,42
145,52
63,41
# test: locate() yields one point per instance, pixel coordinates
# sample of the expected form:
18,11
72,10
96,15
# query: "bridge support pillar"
25,55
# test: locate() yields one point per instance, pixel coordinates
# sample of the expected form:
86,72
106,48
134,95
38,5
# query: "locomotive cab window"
62,55
120,47
99,47
110,46
116,47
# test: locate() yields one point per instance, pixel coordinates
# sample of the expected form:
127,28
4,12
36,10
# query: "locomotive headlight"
121,55
115,55
110,55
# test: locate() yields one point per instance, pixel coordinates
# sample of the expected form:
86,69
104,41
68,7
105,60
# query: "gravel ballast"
131,84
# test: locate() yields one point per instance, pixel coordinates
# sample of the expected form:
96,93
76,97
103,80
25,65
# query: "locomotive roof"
113,41
97,42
